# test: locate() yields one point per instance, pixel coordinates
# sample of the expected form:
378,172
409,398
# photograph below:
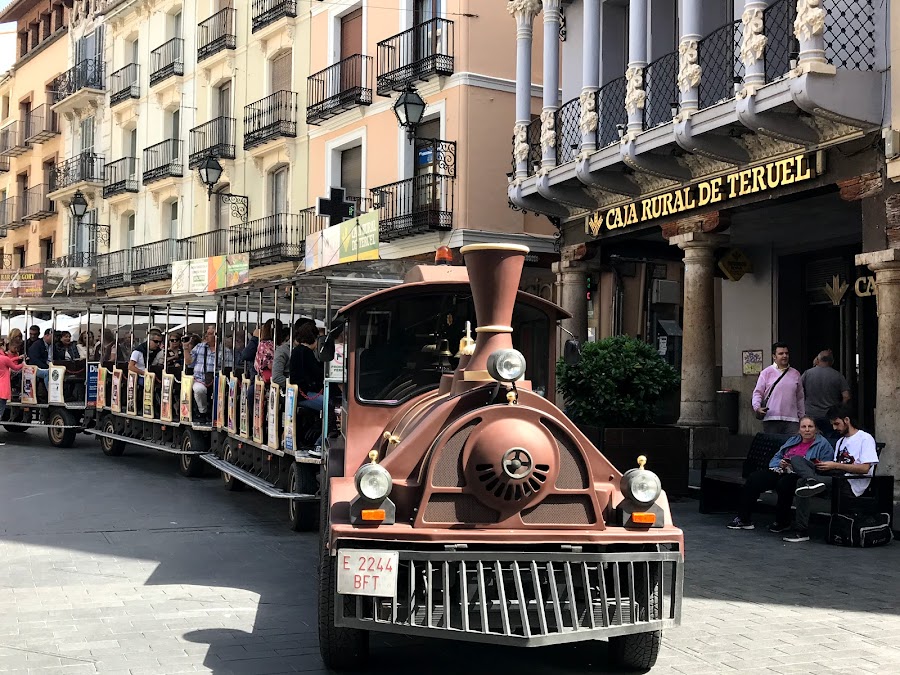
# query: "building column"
753,44
551,83
688,67
886,266
809,29
571,287
590,74
635,91
698,348
524,12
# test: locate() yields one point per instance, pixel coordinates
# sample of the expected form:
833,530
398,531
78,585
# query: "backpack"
863,530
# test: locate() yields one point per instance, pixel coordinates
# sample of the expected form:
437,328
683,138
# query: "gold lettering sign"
740,184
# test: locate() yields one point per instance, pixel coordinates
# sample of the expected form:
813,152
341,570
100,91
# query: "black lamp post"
409,108
78,208
210,173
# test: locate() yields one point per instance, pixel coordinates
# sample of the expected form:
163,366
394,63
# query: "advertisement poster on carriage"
245,407
232,405
336,367
259,399
272,412
130,394
184,403
93,374
165,397
149,388
221,388
29,384
57,375
101,387
115,397
290,418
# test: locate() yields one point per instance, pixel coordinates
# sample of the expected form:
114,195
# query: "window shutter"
351,171
281,72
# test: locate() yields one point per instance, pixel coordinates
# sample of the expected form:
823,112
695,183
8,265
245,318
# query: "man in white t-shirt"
855,456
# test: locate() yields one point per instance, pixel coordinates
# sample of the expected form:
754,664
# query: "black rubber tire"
60,437
341,648
302,515
191,466
112,447
639,651
229,454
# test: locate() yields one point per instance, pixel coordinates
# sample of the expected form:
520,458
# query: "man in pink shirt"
778,396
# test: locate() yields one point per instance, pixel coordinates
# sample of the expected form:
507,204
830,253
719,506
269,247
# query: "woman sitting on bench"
780,477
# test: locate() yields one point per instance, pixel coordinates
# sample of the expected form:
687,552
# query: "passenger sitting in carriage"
143,355
308,374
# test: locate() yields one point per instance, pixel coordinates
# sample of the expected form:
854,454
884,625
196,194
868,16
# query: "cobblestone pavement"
119,565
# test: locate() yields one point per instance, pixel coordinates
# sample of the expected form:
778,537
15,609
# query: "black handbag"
862,530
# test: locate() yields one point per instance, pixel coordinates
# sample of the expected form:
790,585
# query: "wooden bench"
720,488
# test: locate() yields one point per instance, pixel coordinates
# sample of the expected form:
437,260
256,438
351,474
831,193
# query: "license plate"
361,572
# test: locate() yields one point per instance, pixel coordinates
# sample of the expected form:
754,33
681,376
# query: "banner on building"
27,283
69,281
206,275
352,240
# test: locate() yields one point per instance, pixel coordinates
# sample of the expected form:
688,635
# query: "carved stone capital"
520,149
754,42
548,129
689,70
589,119
635,96
810,19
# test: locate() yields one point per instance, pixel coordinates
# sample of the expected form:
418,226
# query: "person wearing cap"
144,354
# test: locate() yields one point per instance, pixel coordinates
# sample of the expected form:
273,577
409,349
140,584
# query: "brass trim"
515,248
494,329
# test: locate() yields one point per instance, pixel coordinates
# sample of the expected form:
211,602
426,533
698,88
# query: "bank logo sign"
757,179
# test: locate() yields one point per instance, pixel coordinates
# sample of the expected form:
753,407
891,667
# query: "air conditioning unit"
666,292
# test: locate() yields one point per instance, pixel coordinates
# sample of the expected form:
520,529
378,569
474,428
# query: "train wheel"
59,435
341,648
639,651
229,454
191,465
112,447
302,514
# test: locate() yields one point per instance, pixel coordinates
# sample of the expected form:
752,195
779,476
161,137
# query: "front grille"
522,598
557,509
458,508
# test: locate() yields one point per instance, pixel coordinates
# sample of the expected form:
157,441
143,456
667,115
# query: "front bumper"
525,599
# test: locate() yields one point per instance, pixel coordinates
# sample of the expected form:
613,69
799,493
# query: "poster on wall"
149,387
29,384
185,412
752,361
272,412
115,396
165,397
259,400
55,389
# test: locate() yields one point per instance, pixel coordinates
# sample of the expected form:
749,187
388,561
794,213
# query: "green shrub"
618,383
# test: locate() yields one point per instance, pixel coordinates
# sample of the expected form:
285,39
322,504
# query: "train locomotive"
458,502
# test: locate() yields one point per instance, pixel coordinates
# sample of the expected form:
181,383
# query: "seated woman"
780,477
308,373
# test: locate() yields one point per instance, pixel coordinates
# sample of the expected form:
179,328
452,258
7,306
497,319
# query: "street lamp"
210,171
78,208
409,108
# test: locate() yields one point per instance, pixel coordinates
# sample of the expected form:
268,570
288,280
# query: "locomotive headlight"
641,486
373,482
506,365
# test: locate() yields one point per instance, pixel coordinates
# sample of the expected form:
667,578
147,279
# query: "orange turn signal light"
372,514
443,256
643,518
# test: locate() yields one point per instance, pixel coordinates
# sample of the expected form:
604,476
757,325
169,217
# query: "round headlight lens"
373,482
641,485
506,365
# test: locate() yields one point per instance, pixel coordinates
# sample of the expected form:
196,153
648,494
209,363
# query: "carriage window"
405,344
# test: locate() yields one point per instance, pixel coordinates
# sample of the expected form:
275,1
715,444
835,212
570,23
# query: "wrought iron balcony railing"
166,61
276,238
611,111
662,90
113,269
12,139
419,53
121,176
719,55
36,205
87,74
270,11
153,261
533,138
215,138
125,83
4,164
77,259
41,124
163,160
345,85
86,167
216,33
568,131
414,206
440,155
204,245
10,213
275,116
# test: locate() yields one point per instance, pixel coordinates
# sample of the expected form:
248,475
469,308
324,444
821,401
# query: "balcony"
113,269
345,85
414,206
167,61
152,262
277,238
124,84
122,177
267,12
12,139
419,53
81,87
215,138
163,160
80,259
11,213
81,172
4,164
36,205
41,124
204,245
216,34
273,117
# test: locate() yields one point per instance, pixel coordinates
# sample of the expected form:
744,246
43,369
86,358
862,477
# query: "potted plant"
613,394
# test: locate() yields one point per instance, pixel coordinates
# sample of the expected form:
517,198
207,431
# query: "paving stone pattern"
119,565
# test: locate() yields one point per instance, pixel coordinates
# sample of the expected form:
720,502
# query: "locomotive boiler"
459,502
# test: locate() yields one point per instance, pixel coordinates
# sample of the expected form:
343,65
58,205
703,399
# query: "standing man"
778,396
203,358
823,388
855,456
